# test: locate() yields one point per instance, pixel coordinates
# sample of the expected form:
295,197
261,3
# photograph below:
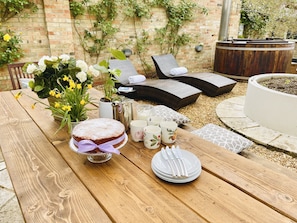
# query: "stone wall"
50,32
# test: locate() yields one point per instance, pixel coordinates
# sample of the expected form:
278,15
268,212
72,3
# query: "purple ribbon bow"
107,147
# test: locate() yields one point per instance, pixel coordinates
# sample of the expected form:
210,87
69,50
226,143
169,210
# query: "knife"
165,157
177,153
173,160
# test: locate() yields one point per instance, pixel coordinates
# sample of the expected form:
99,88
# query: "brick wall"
50,32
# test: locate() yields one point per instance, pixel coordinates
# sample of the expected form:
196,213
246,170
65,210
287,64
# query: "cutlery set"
176,165
175,161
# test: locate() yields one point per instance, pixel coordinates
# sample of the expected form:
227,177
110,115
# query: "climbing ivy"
11,8
10,42
96,39
169,38
134,9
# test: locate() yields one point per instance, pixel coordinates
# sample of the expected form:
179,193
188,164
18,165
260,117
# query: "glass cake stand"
99,157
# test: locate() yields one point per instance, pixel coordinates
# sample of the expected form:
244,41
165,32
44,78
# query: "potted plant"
64,81
109,77
55,72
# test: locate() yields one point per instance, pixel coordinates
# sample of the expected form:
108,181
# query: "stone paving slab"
5,179
10,211
260,134
231,113
285,142
230,108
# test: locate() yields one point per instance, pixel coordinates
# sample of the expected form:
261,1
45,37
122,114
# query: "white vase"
105,109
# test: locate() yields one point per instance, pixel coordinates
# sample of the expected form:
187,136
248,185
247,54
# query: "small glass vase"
73,124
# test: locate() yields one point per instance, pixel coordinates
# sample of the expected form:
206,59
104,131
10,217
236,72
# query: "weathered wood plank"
267,184
230,188
46,187
120,187
129,194
272,188
208,192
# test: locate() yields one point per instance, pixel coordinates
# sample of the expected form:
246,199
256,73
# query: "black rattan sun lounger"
209,83
171,93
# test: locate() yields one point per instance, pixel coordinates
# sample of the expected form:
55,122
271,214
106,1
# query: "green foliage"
110,76
268,18
10,48
56,72
142,43
254,21
77,8
10,43
71,106
169,37
11,8
96,39
137,10
104,10
65,82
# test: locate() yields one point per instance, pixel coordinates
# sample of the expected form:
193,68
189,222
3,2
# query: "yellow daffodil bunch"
71,102
67,105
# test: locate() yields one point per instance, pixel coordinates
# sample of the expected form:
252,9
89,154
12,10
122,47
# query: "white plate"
191,161
177,180
75,149
170,175
162,169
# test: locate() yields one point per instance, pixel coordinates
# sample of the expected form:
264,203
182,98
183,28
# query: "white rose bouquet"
65,82
55,72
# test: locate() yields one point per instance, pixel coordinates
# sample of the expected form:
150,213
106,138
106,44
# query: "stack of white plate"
162,169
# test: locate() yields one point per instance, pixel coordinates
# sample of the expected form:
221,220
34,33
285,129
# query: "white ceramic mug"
137,130
152,136
143,111
169,129
154,120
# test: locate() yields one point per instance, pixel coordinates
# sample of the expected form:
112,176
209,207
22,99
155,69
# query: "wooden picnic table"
55,184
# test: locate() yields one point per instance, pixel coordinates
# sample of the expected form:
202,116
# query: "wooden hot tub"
250,57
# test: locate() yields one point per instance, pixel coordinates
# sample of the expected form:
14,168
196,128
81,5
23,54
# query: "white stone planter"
270,108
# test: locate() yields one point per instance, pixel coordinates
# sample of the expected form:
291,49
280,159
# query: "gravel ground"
204,111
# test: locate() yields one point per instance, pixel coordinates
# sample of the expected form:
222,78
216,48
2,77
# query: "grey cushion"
223,137
169,114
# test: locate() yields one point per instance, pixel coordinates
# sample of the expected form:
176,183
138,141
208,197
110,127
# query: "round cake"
100,130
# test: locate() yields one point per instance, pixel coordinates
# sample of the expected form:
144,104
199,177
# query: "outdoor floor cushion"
171,93
223,137
209,83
